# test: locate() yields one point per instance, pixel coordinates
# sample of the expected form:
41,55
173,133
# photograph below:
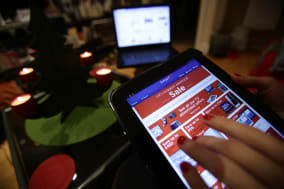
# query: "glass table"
96,158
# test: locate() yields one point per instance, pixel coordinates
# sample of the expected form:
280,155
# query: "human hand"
269,90
251,159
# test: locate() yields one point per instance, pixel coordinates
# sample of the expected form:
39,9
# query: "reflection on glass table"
96,158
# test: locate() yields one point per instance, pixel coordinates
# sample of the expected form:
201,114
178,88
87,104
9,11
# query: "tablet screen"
174,106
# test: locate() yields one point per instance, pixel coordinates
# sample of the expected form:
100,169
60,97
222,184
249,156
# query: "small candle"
86,58
103,76
103,71
24,105
27,74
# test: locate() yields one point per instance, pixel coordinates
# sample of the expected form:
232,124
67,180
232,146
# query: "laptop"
143,35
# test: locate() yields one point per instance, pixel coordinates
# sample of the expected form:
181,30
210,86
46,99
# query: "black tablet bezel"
138,134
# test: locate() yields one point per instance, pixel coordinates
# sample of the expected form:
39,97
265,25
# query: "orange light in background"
103,76
86,58
27,74
24,105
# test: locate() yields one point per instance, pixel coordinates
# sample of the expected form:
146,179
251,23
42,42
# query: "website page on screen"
174,106
142,26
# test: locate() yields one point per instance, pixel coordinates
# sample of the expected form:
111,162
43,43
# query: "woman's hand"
250,160
269,90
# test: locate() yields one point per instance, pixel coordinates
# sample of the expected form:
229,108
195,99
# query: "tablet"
168,101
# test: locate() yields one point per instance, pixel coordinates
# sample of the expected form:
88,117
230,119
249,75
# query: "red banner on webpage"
184,112
170,144
196,127
217,185
171,148
272,132
224,106
245,116
166,95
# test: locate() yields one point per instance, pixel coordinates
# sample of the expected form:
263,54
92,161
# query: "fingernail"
207,117
184,166
236,74
181,140
194,138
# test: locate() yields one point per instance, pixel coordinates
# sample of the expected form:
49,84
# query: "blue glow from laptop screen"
142,25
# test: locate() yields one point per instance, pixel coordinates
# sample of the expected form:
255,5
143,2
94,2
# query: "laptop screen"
142,25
